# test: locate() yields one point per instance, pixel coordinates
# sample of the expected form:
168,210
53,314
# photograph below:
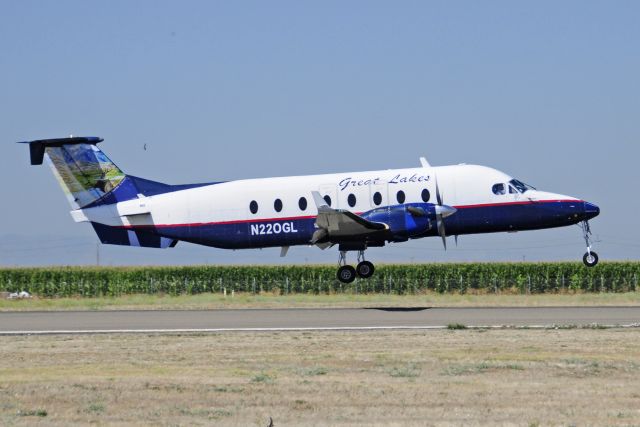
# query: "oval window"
351,200
400,196
327,199
426,195
377,198
277,205
302,204
253,207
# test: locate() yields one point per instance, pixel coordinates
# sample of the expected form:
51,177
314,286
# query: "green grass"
262,378
33,413
456,326
410,370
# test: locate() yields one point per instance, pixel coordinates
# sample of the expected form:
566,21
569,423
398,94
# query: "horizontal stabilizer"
125,237
37,147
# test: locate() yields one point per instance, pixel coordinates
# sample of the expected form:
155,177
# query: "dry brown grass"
208,301
461,377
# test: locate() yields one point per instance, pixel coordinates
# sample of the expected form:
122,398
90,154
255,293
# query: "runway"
148,321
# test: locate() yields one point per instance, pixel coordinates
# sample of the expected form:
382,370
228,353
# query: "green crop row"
398,279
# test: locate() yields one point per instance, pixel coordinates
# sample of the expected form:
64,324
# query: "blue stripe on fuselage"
244,235
298,231
514,217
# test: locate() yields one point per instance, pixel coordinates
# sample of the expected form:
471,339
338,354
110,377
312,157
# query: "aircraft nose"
591,210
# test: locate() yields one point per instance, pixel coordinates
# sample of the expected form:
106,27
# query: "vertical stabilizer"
83,171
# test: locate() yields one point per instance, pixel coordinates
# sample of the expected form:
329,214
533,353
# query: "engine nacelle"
404,221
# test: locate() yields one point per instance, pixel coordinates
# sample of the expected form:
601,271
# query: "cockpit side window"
512,190
498,189
521,186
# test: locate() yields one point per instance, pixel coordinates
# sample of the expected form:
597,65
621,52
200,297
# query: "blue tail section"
131,186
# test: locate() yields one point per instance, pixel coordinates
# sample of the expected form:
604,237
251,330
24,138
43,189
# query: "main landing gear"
590,258
347,274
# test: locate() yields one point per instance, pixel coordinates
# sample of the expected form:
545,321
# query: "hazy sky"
546,91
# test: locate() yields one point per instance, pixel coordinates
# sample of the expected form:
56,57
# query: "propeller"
442,211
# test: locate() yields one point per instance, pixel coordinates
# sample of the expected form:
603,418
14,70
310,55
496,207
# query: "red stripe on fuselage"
235,221
291,218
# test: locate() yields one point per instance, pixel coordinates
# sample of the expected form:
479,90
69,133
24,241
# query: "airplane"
354,210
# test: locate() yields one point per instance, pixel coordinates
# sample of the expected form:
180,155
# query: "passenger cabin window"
426,195
351,200
498,189
253,207
400,196
377,198
277,205
327,199
302,204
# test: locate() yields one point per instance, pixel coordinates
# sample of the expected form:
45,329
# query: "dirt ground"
210,301
396,378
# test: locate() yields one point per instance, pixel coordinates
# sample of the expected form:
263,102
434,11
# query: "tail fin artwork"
83,171
91,181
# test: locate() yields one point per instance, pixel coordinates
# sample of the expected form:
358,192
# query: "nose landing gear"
590,258
347,274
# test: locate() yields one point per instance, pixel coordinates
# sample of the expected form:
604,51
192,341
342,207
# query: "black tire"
590,259
346,274
365,269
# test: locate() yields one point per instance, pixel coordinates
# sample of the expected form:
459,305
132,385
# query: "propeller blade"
441,231
442,211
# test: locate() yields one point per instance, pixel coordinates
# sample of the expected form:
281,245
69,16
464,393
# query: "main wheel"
346,274
590,259
365,269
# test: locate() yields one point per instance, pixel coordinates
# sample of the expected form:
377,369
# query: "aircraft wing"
335,225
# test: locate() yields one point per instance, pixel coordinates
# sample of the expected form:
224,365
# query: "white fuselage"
179,213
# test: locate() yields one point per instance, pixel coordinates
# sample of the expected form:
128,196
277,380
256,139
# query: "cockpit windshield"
521,186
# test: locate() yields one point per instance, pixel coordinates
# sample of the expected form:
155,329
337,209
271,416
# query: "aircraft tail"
90,179
83,171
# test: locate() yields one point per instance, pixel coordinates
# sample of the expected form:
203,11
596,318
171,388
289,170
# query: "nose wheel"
347,274
590,258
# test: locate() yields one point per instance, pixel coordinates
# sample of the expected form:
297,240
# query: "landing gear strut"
590,258
347,274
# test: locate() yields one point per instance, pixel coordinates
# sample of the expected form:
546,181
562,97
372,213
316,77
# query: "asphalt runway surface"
51,322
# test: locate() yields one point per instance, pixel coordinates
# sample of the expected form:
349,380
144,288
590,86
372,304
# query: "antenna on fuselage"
424,162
